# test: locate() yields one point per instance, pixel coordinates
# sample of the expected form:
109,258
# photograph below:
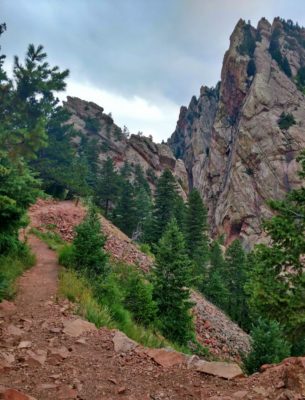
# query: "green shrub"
52,239
66,256
146,249
12,266
89,255
268,345
138,299
247,46
275,51
286,120
300,79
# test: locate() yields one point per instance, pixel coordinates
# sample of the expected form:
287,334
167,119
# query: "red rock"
77,327
13,330
220,369
66,393
166,358
12,394
122,343
25,344
122,390
36,358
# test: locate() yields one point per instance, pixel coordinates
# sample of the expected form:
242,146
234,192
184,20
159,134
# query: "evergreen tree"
165,204
235,280
26,103
107,185
140,182
172,275
214,286
88,254
196,232
276,284
125,211
143,212
56,163
268,345
138,299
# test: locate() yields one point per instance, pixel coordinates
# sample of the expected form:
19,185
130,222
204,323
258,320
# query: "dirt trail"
39,358
53,365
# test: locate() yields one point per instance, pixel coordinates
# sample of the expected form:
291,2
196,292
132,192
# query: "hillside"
236,150
214,329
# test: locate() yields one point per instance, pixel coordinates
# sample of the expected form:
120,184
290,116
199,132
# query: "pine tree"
214,287
268,345
26,103
138,299
57,163
88,254
172,275
107,185
235,280
140,181
276,284
125,211
196,232
164,205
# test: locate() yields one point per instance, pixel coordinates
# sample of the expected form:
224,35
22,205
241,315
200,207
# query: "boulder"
77,327
122,343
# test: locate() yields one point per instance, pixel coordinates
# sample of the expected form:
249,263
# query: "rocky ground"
47,352
214,329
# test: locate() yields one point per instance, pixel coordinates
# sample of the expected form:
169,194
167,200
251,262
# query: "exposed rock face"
90,119
234,150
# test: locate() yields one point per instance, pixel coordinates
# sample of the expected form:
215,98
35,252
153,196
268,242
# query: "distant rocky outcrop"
240,140
111,141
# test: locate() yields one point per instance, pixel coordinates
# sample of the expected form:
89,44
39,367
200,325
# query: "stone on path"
219,369
13,394
122,343
166,358
77,327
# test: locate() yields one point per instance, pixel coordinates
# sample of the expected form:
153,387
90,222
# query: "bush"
247,46
268,345
12,266
88,243
66,256
286,120
138,299
300,78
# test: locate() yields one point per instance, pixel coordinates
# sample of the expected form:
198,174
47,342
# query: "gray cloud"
155,49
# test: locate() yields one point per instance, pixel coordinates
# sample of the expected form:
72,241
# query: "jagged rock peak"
236,150
111,141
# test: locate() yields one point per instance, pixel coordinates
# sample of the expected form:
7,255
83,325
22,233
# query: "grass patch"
52,239
78,290
11,267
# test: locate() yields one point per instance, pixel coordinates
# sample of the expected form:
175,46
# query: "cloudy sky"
139,59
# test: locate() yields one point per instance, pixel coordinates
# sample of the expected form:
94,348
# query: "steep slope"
214,329
230,139
110,141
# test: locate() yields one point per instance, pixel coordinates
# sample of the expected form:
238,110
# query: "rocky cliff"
239,141
111,141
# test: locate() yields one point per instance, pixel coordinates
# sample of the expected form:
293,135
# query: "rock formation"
111,141
236,150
